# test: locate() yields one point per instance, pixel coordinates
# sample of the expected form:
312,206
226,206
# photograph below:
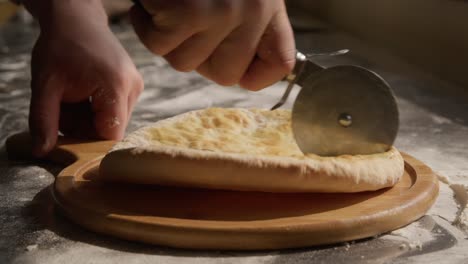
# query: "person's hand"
83,81
246,42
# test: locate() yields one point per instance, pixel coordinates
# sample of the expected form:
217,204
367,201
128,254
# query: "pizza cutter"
341,110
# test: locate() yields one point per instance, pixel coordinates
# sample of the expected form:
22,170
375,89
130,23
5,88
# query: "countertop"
434,129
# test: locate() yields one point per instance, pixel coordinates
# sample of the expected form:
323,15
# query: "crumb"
415,245
347,246
110,101
113,122
31,247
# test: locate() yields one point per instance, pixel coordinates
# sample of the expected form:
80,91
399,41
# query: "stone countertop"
434,129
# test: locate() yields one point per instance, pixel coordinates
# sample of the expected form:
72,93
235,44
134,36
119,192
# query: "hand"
83,81
249,42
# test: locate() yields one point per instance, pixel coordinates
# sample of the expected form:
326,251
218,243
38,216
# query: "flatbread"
241,149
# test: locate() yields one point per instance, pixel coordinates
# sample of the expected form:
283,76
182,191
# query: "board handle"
66,151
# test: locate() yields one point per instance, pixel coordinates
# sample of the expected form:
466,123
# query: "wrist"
50,13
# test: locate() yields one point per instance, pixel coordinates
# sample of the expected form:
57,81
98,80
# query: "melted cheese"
254,131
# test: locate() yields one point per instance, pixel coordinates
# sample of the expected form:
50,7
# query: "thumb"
110,113
44,116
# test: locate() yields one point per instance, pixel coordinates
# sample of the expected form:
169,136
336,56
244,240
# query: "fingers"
228,63
136,90
197,49
193,52
44,115
76,120
110,109
248,42
275,55
157,38
112,105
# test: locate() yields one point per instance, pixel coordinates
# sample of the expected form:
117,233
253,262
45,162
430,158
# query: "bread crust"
137,160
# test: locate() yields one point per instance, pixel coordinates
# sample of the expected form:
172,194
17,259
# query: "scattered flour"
31,247
347,246
460,194
113,122
440,120
413,236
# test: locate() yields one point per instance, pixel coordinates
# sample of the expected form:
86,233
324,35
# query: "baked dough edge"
136,160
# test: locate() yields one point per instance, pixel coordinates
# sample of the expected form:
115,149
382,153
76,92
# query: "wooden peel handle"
19,147
66,151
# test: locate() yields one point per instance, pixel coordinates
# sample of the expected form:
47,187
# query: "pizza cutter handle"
66,151
302,65
304,68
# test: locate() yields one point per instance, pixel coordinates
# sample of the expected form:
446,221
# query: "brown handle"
66,151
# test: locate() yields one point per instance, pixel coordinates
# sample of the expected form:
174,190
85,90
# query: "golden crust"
240,149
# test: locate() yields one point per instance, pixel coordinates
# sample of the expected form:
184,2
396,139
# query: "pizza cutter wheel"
341,110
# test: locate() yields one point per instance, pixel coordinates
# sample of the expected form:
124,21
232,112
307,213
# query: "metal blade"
345,110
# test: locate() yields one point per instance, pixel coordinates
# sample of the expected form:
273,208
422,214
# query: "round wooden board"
215,219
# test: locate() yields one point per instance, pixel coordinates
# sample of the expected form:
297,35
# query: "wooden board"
212,219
